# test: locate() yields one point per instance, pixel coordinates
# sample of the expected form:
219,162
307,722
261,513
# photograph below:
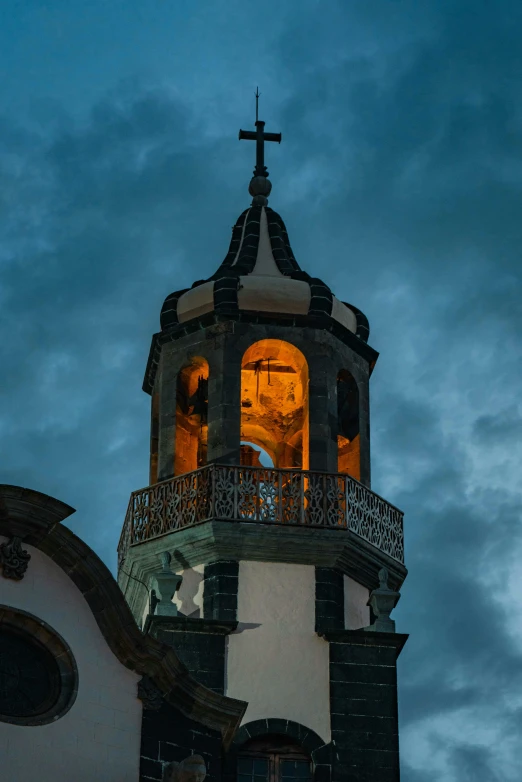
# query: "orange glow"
191,417
274,401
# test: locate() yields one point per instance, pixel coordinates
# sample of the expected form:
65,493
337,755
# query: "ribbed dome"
261,274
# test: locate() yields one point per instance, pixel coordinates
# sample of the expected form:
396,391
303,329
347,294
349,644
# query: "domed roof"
260,274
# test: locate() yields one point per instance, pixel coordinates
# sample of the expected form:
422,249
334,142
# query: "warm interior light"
191,417
274,402
348,439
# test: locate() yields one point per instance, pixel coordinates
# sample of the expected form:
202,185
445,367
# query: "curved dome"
260,274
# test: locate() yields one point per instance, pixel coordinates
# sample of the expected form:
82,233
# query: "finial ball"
260,185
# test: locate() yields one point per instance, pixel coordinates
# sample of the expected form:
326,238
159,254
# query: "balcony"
262,496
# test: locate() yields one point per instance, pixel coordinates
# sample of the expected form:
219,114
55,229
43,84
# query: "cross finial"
259,186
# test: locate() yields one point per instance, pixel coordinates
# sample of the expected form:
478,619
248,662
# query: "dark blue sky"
399,179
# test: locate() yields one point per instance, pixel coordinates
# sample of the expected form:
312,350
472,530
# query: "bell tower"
259,551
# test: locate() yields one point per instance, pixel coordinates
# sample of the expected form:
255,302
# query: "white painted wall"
99,737
356,612
275,660
189,597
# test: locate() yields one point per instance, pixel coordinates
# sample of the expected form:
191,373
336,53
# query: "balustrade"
263,496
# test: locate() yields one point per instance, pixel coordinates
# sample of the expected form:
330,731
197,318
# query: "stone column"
167,415
363,702
224,402
323,414
364,429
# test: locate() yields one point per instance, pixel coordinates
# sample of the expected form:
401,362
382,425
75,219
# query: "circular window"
38,676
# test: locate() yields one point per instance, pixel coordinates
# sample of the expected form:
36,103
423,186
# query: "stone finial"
192,769
259,188
165,583
383,576
383,600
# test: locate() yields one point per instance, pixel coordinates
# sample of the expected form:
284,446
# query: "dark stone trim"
367,639
34,517
220,590
363,325
170,737
246,259
225,293
188,624
280,244
363,704
209,319
321,300
234,540
235,244
306,737
169,310
329,599
152,363
37,631
199,644
28,514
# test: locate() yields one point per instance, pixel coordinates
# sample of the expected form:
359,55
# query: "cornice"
215,540
366,638
323,323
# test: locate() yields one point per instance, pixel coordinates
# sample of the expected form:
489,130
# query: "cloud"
399,179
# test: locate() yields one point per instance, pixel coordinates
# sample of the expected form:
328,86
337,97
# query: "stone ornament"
192,769
166,584
149,694
383,600
14,559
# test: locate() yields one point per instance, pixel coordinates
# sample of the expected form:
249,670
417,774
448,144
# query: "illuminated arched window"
349,460
191,417
274,405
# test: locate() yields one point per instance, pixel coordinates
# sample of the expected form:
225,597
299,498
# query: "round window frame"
40,634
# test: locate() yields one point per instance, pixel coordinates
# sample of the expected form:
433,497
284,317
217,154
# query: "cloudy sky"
400,181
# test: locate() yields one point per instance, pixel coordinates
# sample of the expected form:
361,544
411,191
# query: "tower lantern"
260,494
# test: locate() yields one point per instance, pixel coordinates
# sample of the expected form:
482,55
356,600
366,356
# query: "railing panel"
263,495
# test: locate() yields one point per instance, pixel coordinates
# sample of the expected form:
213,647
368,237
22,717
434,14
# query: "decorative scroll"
266,496
14,560
149,694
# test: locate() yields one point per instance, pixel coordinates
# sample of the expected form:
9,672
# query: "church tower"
259,551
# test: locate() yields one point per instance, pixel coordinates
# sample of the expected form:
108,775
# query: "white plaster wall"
344,315
275,660
273,294
99,737
356,612
189,597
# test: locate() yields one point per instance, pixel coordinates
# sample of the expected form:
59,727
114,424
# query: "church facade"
249,635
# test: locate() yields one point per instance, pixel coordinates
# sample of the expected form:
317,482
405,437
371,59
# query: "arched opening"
273,758
348,440
191,417
274,404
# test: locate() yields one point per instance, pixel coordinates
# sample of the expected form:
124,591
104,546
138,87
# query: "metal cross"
259,136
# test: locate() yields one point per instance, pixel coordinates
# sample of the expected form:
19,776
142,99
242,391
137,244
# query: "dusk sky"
400,181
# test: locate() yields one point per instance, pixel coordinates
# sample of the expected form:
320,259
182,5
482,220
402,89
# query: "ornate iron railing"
266,496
